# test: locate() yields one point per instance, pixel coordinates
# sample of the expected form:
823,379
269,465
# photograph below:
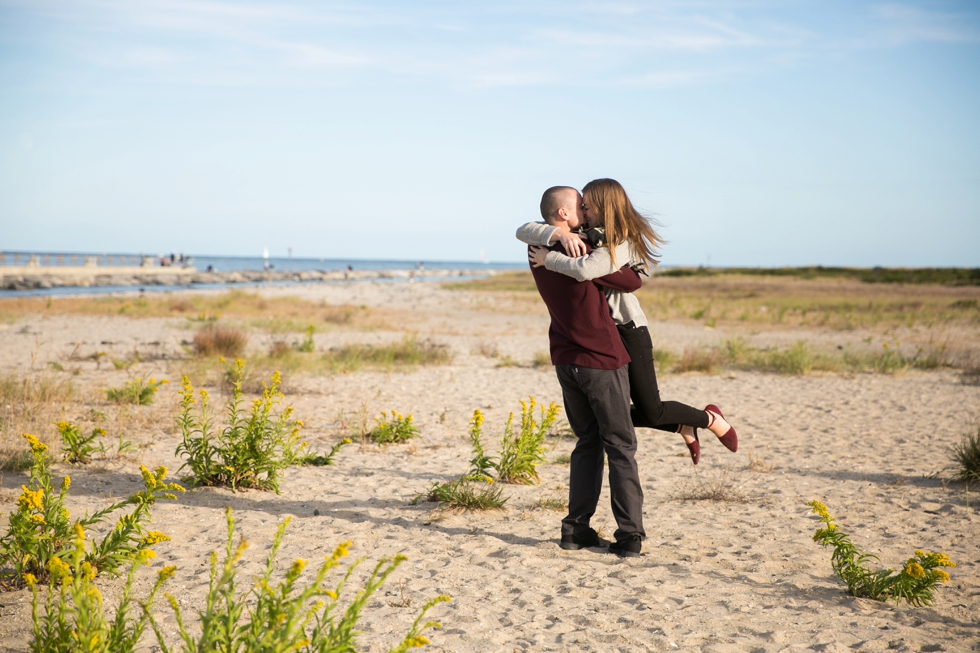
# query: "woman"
623,236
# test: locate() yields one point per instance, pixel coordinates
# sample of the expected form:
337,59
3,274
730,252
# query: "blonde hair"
621,221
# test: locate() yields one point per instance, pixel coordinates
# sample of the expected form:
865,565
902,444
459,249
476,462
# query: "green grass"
799,359
408,352
946,276
465,495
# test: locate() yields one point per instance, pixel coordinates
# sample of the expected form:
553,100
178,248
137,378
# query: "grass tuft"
406,353
220,341
966,456
721,486
138,391
463,494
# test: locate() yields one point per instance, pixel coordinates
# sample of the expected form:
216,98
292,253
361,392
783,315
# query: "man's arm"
624,279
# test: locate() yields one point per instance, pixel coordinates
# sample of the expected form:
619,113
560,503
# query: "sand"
740,575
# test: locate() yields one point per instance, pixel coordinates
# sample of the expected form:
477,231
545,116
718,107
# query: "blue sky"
759,133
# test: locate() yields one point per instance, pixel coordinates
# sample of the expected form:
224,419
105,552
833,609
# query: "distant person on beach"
620,235
591,363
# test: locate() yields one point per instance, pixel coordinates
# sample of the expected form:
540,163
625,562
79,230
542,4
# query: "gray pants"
597,404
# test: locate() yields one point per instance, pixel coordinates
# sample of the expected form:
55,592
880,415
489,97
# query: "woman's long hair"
621,221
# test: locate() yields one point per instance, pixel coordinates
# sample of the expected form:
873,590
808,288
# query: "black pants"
648,410
597,405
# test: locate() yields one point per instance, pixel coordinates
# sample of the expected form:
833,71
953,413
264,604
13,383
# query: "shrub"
289,616
40,529
215,340
137,392
914,583
522,452
966,455
77,448
74,619
254,447
394,429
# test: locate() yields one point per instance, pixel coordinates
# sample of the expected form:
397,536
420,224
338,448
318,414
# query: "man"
591,363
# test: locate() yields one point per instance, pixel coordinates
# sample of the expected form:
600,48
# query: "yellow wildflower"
145,555
30,579
155,537
89,570
166,573
36,445
919,553
79,531
941,575
297,567
164,381
65,484
347,441
31,499
98,432
58,569
38,519
943,560
331,594
914,569
148,479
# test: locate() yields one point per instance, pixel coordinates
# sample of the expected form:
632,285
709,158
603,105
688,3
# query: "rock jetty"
33,278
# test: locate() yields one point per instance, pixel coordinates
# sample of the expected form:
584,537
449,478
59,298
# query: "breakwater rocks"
53,277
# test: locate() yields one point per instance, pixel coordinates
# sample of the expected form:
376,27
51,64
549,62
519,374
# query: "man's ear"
562,214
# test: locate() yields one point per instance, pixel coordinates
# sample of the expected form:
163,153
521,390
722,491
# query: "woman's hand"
574,244
537,255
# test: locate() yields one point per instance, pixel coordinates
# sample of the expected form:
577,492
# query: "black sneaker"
584,540
629,547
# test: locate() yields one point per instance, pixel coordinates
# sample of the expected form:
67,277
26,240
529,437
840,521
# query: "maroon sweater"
582,332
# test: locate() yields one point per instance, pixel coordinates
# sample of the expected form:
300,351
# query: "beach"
729,563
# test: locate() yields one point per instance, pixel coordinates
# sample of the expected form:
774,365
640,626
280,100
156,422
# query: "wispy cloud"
537,42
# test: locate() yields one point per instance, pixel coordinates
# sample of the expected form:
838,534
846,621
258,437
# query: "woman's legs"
648,409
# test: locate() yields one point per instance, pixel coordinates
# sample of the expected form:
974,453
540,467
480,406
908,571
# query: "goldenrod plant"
41,529
308,346
251,450
289,616
523,451
77,448
139,391
253,447
74,619
914,583
394,429
481,465
474,490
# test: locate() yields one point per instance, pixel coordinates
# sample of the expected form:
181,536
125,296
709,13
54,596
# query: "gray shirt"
623,306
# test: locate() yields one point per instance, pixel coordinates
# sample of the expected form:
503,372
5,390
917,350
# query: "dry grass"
723,484
220,341
273,313
30,405
784,302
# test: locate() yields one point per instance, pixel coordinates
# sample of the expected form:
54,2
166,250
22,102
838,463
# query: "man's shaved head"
555,198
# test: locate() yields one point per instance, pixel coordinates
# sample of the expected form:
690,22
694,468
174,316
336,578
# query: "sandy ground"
739,575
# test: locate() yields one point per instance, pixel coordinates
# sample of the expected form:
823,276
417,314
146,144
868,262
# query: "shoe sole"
625,554
572,546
